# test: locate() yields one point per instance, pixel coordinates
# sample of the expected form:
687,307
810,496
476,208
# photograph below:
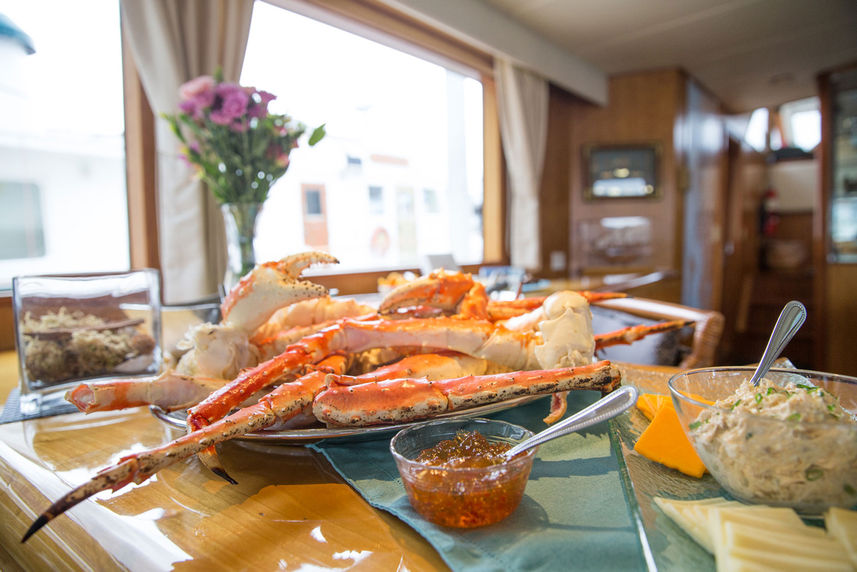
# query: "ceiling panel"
750,53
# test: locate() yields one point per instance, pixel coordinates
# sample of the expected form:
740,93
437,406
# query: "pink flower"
196,86
197,95
201,86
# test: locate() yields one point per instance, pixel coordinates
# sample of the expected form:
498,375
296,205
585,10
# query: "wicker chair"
707,329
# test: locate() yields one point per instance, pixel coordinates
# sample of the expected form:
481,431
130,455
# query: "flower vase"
240,223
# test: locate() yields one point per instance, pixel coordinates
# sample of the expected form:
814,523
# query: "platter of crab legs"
286,356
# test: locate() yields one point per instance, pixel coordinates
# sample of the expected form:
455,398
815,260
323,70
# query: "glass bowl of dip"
791,441
464,485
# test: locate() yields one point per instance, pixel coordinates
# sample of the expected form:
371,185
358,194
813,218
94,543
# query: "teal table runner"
574,515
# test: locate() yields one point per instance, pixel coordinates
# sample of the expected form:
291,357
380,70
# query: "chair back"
707,329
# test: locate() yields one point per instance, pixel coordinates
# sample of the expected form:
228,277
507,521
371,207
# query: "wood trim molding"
820,222
7,323
380,22
494,199
141,168
367,282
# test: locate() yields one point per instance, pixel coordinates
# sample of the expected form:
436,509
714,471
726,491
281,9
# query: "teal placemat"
573,516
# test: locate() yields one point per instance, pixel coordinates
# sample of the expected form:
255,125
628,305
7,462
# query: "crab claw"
269,287
448,291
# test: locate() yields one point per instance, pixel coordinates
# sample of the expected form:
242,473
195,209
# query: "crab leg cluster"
460,349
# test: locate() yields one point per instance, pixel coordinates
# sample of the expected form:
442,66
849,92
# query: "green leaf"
317,134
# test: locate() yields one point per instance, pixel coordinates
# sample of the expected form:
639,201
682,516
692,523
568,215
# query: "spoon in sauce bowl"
789,322
605,408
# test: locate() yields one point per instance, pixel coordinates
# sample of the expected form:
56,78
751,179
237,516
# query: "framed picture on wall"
621,171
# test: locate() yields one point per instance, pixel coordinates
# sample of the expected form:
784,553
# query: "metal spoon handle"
789,322
602,410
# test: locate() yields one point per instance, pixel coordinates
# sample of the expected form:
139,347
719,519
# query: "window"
316,235
416,124
62,163
802,123
756,134
22,234
430,201
376,200
313,202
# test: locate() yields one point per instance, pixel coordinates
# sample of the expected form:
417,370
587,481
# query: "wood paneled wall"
840,314
643,108
554,193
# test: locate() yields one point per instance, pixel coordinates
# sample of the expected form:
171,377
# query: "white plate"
312,434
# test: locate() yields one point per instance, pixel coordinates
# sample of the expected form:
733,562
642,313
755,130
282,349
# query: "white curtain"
523,101
173,41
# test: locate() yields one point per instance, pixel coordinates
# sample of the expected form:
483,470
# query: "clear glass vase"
240,223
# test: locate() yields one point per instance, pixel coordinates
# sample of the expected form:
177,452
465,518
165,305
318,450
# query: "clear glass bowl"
462,497
784,461
75,327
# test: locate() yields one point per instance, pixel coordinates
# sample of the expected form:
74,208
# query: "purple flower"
197,105
233,104
265,98
259,105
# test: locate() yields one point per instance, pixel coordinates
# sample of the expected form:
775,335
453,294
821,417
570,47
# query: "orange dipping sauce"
466,482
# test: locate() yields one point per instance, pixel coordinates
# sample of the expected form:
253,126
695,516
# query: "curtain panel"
523,110
173,41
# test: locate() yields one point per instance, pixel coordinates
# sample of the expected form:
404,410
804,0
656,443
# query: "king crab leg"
173,391
512,349
631,334
170,391
401,400
459,293
289,399
270,406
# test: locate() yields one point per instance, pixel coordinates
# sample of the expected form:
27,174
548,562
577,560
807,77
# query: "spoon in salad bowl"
605,408
791,319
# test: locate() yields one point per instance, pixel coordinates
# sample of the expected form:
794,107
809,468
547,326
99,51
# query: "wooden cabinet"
835,239
769,291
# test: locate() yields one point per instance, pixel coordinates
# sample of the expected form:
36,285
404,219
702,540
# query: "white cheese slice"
842,525
692,516
781,550
758,516
760,538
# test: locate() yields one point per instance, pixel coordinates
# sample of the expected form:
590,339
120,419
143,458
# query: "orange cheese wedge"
650,403
664,442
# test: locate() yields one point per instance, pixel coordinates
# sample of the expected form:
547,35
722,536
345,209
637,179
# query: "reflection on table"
290,509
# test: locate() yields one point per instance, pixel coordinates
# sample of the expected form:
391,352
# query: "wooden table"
290,509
